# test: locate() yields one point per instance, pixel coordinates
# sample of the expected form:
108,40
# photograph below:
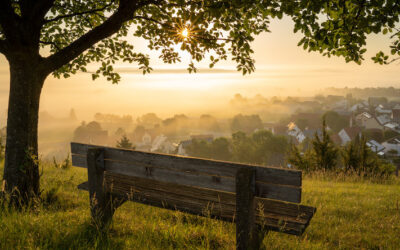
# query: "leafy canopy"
76,33
340,27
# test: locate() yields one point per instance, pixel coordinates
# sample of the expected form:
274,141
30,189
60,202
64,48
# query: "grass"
352,214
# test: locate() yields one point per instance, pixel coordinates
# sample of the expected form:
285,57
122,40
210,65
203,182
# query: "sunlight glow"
185,33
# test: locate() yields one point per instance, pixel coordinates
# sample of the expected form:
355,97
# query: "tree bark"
21,170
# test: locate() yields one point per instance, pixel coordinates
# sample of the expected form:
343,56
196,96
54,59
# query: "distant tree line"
364,92
260,147
246,123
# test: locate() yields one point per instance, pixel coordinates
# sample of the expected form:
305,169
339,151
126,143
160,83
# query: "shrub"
384,169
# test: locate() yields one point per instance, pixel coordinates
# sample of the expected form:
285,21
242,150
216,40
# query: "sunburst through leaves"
185,32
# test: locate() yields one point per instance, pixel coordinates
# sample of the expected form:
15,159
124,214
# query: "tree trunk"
21,170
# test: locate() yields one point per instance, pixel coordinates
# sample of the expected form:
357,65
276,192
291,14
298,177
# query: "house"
145,144
161,144
182,147
334,98
367,121
339,106
383,119
392,145
376,147
357,107
309,105
380,109
146,139
279,130
268,126
348,134
310,133
392,126
396,115
336,139
375,101
295,131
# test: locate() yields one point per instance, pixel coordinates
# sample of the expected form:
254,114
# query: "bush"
321,156
385,169
125,143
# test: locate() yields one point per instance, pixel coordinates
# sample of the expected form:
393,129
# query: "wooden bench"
256,198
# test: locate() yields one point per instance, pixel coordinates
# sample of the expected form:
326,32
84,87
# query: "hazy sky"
282,69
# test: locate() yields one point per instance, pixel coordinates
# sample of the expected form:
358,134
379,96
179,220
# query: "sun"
185,33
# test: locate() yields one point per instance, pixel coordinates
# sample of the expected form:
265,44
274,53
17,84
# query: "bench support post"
247,235
102,204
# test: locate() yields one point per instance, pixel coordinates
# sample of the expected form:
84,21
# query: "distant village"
377,118
297,119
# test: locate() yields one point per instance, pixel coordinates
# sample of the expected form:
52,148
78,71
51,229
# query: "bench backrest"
272,183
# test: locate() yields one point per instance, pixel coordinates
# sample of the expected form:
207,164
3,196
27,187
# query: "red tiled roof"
396,113
336,139
352,132
280,130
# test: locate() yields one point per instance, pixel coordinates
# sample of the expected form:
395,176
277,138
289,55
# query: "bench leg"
247,233
102,203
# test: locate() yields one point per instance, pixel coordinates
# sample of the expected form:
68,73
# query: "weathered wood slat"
196,179
247,233
79,161
275,215
188,164
223,212
269,205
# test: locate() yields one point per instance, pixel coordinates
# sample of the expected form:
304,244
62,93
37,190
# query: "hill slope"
350,214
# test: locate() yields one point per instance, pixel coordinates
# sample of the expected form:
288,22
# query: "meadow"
352,213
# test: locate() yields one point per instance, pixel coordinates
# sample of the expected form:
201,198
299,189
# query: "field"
351,213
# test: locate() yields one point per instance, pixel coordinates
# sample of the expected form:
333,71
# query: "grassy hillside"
351,213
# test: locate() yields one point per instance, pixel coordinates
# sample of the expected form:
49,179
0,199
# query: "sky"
282,69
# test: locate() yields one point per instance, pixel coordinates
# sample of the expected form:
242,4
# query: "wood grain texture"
194,176
246,229
271,175
271,214
101,205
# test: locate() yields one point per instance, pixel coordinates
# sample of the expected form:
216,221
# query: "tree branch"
110,26
150,19
79,13
50,43
8,20
393,60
